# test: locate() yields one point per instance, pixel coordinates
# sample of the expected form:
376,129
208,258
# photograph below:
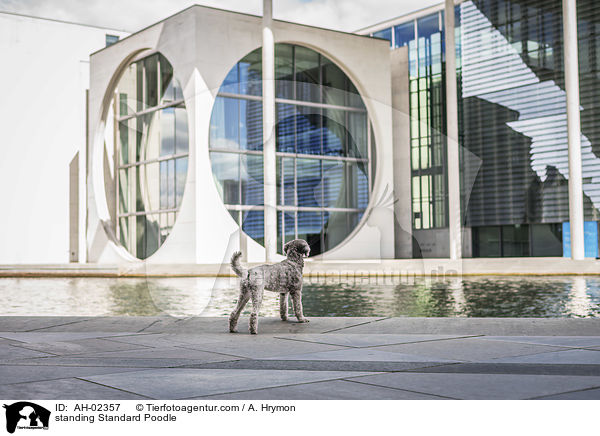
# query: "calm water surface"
472,297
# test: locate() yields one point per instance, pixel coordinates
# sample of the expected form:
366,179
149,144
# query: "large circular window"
323,140
152,154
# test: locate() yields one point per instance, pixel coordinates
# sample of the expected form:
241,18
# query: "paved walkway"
329,358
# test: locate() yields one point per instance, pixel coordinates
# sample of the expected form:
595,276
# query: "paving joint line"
56,325
560,393
355,325
400,389
112,387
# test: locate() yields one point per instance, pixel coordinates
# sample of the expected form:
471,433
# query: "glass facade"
512,121
152,154
323,148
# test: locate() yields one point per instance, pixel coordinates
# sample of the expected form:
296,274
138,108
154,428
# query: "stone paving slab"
10,374
590,357
12,352
117,362
180,383
483,386
160,353
260,347
360,355
329,390
43,336
266,325
513,368
480,326
365,340
82,346
587,394
67,389
31,323
470,349
560,341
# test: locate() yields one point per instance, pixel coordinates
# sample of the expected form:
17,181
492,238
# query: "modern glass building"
512,123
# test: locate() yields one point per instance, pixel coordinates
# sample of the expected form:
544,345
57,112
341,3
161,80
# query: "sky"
133,15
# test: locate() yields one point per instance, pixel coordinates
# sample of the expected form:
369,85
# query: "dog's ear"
286,247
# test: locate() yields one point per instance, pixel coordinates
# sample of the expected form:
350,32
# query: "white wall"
44,74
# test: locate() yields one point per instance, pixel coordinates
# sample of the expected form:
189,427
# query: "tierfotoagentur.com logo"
26,415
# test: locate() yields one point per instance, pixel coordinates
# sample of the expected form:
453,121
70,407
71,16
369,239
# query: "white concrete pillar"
269,159
571,60
454,224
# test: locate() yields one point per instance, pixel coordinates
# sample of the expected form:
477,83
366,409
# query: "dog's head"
297,247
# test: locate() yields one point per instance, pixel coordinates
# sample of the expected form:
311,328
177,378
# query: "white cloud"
132,15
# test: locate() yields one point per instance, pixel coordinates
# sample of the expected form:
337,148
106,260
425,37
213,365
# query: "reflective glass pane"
226,172
285,181
166,78
284,71
357,185
181,168
147,235
308,130
224,124
250,125
151,81
335,84
167,131
337,227
285,129
123,191
181,130
307,74
253,225
231,83
334,132
333,184
251,176
309,183
404,33
250,73
357,135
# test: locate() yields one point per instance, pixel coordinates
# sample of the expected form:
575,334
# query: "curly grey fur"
284,277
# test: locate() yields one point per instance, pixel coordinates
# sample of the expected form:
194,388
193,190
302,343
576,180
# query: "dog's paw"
303,320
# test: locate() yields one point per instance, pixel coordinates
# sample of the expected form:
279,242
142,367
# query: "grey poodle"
284,277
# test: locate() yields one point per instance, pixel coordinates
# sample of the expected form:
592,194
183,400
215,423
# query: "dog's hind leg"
256,293
283,306
297,302
235,315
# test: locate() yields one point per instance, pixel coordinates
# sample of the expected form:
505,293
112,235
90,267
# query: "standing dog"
284,277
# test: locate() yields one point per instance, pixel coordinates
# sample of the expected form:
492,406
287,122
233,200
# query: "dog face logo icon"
26,415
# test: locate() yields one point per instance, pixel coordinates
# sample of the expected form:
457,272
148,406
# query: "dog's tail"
236,267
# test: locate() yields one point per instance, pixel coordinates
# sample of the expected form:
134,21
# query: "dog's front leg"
283,306
256,295
297,301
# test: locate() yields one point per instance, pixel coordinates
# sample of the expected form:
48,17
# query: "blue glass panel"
226,171
385,34
333,184
285,181
253,225
308,130
251,125
428,25
285,128
403,33
286,227
334,132
230,84
250,73
164,185
251,175
357,185
337,227
309,182
307,74
224,124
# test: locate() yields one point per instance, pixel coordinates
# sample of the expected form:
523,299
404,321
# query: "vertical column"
269,159
454,227
571,60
